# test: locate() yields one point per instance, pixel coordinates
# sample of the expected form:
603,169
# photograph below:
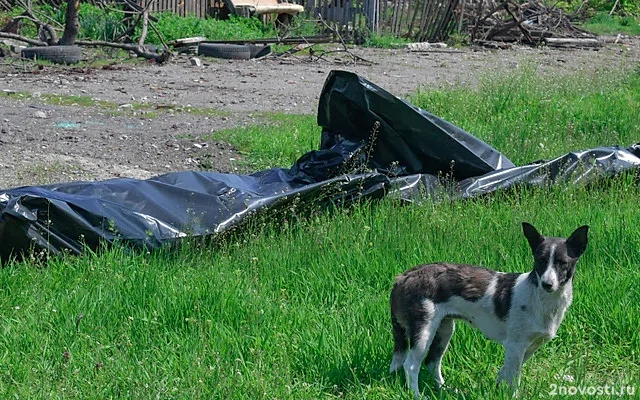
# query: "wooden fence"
420,20
349,16
197,8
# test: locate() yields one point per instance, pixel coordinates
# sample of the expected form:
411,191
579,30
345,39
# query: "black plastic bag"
373,144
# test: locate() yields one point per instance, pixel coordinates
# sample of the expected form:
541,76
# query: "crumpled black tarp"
373,144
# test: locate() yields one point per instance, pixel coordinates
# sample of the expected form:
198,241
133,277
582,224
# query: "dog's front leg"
513,357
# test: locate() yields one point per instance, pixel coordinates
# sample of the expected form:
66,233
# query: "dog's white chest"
538,316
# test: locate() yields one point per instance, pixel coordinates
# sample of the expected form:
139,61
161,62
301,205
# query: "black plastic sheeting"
373,144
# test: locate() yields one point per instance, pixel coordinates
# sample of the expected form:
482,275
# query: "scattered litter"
40,114
67,125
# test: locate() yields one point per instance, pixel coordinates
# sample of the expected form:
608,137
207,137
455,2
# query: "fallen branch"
21,38
140,51
344,49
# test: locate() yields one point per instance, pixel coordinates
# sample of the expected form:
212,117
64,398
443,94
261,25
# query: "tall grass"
602,23
529,117
300,311
277,143
173,26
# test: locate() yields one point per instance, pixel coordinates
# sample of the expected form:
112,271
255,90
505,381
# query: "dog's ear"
577,242
532,235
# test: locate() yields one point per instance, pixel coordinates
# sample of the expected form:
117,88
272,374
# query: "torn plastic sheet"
373,144
409,141
582,167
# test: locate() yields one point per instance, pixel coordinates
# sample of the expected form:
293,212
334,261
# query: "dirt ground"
148,119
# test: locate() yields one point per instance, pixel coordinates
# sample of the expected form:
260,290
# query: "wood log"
584,42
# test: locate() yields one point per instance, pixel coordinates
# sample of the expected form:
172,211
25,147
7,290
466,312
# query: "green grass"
385,41
277,143
173,27
605,24
530,117
300,310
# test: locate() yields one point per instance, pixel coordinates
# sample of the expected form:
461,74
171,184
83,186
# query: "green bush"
173,27
99,24
624,7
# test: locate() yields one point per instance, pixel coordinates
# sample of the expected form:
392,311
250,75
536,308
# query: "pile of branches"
531,22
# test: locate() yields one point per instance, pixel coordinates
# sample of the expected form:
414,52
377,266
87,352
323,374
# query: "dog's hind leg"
421,335
438,348
400,345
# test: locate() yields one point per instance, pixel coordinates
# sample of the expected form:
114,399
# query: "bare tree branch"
43,28
21,38
140,51
145,25
344,49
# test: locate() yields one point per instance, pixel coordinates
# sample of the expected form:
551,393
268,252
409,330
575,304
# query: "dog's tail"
400,344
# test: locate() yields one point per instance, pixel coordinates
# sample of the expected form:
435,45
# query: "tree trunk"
71,25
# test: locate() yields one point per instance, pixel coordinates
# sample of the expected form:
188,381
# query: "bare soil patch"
147,119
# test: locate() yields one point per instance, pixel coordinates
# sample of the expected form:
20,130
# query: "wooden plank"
374,19
432,18
348,11
407,15
586,42
325,8
445,21
413,18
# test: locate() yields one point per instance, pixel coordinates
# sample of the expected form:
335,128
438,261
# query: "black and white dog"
520,311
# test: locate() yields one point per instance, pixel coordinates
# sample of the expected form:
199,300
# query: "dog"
521,311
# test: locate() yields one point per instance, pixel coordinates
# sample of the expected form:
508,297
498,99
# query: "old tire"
228,51
56,54
259,51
